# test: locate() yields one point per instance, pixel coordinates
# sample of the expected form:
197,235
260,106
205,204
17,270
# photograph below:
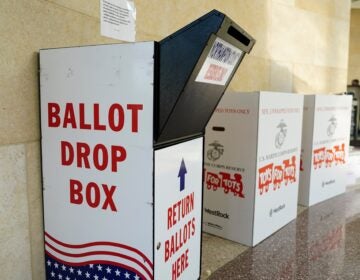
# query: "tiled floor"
322,243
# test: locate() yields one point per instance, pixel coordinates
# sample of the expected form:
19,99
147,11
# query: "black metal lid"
184,101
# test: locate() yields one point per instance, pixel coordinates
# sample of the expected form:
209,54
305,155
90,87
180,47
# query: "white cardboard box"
325,147
252,156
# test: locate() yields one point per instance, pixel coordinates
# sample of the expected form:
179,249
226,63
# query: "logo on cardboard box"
230,184
215,152
332,126
281,135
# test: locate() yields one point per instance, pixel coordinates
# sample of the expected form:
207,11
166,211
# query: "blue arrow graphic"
182,172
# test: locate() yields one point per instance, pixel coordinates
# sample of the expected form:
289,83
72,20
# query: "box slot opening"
236,34
218,128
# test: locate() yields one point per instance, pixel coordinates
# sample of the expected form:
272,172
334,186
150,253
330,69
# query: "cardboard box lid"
184,101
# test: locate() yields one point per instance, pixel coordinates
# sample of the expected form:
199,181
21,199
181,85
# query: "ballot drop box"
252,156
325,147
122,150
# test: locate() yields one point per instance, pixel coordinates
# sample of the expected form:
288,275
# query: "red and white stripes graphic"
103,252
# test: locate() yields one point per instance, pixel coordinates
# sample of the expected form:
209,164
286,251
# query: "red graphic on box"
319,157
265,177
290,170
102,252
339,154
215,73
224,180
277,175
329,156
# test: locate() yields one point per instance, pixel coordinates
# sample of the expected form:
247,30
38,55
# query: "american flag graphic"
95,261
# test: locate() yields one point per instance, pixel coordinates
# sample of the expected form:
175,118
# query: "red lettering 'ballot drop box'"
122,150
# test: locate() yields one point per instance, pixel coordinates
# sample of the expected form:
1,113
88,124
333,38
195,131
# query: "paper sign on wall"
118,19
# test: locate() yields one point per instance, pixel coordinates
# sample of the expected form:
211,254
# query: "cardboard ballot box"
325,147
122,150
252,156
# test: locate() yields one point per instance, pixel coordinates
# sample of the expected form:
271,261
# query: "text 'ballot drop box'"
325,147
252,156
122,150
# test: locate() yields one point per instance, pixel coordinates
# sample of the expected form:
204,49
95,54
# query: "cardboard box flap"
196,64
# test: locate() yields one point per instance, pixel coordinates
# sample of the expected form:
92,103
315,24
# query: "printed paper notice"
219,64
118,19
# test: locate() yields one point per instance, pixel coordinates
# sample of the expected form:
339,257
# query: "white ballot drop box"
122,150
252,157
325,147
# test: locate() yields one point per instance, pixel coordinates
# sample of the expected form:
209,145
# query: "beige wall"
302,46
354,47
